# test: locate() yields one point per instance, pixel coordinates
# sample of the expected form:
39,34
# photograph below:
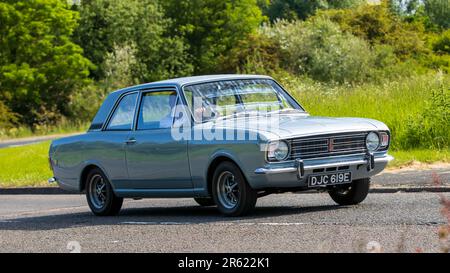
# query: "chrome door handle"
130,141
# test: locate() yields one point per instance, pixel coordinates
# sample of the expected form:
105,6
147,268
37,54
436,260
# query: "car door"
155,159
108,146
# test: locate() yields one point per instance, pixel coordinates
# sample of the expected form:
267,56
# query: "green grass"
404,158
62,128
25,166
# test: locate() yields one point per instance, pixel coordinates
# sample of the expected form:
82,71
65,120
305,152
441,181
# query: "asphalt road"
281,223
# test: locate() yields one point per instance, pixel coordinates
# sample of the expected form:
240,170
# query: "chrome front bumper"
300,166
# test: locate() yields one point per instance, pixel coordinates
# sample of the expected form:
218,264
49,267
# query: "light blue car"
224,140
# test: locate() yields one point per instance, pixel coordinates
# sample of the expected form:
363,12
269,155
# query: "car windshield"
222,99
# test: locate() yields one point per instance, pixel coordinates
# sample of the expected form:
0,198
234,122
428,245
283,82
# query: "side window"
157,110
123,116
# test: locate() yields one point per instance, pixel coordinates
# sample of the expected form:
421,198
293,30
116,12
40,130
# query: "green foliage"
318,48
138,27
431,128
302,9
442,44
212,27
405,7
7,118
257,54
439,12
378,25
39,65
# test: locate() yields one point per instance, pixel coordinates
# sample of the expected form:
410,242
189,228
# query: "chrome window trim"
111,113
151,90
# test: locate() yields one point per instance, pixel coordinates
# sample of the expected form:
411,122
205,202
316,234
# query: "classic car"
224,140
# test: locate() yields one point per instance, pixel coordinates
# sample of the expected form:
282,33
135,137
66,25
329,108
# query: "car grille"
328,145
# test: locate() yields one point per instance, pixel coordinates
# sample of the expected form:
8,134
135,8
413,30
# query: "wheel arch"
84,173
214,164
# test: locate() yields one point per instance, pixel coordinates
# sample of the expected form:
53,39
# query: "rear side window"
123,116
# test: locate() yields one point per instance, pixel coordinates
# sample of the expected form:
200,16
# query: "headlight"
278,151
372,142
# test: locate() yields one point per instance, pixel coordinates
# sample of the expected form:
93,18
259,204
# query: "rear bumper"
295,173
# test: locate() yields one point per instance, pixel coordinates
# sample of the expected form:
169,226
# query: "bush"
431,128
256,55
84,103
442,43
320,49
378,25
439,12
119,66
301,9
7,118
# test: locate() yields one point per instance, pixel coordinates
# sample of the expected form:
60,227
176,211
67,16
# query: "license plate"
322,180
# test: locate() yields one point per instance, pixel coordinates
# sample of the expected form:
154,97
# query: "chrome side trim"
275,171
306,167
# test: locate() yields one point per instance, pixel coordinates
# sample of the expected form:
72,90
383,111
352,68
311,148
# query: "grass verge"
27,166
405,158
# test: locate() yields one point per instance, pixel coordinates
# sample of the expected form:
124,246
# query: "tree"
106,27
405,7
212,27
378,25
320,49
439,12
258,54
39,65
302,9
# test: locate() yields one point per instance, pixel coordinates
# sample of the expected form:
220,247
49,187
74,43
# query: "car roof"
180,82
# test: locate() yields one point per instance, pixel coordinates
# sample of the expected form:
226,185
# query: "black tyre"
205,202
352,195
231,192
100,195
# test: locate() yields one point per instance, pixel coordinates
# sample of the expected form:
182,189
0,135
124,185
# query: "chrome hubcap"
97,191
228,190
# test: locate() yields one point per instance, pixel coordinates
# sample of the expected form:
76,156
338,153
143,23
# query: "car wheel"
205,202
353,194
100,195
231,192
